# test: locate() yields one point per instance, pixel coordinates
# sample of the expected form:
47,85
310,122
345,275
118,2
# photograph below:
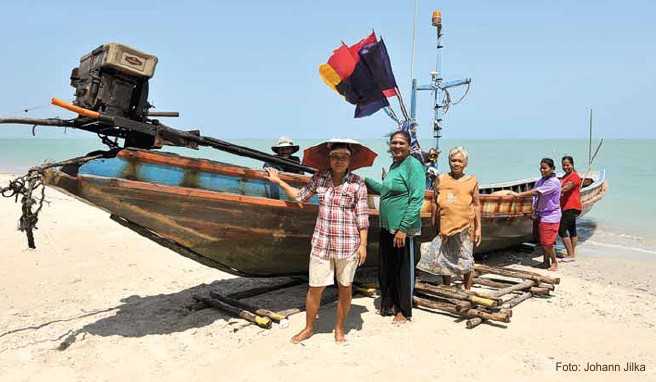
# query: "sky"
249,69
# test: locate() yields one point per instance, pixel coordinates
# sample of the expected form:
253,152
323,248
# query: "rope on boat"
28,185
447,99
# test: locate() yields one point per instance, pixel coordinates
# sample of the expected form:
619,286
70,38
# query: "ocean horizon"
621,218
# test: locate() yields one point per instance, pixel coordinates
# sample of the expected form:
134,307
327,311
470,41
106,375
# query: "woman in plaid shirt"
339,243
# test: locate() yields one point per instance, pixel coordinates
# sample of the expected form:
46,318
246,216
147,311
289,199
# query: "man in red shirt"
570,204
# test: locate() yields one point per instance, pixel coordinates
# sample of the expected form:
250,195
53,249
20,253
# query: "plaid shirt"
343,212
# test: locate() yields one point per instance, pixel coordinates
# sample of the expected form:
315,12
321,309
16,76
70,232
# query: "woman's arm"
274,177
373,185
435,207
362,221
416,183
567,186
476,200
532,192
362,250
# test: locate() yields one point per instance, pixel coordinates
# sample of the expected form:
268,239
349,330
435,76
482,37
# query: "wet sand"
97,302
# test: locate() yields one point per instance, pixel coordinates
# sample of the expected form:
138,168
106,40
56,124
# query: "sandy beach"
97,302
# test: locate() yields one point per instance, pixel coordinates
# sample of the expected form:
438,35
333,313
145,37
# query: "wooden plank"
276,317
263,322
459,305
480,268
513,288
447,292
516,300
500,316
473,322
498,283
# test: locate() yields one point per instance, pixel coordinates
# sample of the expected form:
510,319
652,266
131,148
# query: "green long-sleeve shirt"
401,196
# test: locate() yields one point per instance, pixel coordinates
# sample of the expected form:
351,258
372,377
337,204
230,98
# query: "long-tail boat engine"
113,80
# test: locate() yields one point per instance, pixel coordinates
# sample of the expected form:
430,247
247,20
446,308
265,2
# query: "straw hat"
284,142
317,156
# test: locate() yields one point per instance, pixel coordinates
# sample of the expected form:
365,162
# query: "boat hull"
251,230
232,218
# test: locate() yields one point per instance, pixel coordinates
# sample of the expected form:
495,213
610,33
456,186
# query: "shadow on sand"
326,321
532,256
139,316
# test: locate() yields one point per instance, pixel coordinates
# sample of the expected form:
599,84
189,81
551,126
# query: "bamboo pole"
242,305
444,306
473,322
480,268
513,288
460,305
499,283
537,291
491,283
515,301
507,311
474,297
289,312
262,322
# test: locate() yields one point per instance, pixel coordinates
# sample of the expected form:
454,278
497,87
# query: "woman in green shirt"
401,197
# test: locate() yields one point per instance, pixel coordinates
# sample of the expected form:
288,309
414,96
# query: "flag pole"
413,80
404,111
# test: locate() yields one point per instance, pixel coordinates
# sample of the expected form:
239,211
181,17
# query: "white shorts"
324,271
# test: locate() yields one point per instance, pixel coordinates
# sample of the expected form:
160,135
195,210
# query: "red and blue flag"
362,73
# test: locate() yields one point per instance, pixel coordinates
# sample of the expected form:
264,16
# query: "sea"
625,218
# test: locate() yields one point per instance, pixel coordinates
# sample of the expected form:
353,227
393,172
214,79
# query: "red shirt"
571,200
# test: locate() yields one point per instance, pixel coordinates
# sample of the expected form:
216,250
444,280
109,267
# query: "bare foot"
553,268
339,336
302,336
399,319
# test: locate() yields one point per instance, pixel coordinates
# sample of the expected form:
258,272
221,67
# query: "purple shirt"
547,204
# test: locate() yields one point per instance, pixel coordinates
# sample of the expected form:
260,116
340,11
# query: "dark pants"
568,223
396,274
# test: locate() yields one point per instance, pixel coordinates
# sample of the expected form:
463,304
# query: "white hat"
284,142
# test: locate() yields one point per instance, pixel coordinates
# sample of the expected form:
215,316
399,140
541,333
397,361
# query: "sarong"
452,257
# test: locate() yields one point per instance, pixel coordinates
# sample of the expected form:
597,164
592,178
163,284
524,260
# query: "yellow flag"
329,76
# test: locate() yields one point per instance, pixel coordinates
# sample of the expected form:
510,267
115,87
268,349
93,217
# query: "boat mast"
590,140
437,85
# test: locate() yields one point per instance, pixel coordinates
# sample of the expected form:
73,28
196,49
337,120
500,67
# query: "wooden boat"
224,216
232,218
506,221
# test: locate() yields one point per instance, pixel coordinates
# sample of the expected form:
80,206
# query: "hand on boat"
362,254
273,175
399,239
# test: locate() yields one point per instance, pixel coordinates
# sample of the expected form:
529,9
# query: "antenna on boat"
590,140
591,155
439,87
414,41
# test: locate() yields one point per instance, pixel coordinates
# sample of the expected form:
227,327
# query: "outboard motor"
113,80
